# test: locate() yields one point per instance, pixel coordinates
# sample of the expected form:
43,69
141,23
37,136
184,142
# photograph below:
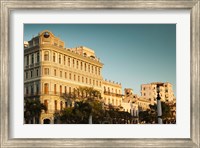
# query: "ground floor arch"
46,121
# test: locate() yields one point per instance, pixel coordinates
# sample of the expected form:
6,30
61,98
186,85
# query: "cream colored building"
143,104
149,92
51,70
112,93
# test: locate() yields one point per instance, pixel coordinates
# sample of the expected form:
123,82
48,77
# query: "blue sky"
132,54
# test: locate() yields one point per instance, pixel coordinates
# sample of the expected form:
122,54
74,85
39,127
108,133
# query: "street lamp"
159,107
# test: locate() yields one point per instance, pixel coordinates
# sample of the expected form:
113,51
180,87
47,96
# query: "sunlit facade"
51,70
149,92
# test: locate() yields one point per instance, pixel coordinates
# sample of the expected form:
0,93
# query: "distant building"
112,93
149,92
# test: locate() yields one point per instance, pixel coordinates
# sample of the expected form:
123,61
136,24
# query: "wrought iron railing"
112,94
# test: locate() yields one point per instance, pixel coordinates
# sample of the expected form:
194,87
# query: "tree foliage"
32,110
150,115
88,103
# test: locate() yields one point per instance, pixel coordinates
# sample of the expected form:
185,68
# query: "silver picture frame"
193,5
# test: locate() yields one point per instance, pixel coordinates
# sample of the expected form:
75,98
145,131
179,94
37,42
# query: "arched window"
54,57
55,105
59,59
68,61
46,104
104,89
81,65
64,60
61,105
60,89
54,88
38,57
46,56
32,90
46,88
32,58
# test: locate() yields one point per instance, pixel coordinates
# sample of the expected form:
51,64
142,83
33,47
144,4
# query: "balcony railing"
32,65
112,94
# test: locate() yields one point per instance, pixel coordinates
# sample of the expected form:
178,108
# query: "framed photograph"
100,73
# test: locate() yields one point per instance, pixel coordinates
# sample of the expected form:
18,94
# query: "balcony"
112,94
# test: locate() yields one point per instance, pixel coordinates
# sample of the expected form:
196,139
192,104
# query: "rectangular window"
55,104
65,89
64,60
77,64
54,72
46,71
31,73
46,56
78,78
46,104
26,75
68,61
81,65
83,79
85,67
32,90
38,57
61,105
60,73
32,58
70,76
54,88
90,81
26,90
73,62
37,89
65,74
27,60
74,77
37,72
88,68
86,80
59,59
54,57
60,89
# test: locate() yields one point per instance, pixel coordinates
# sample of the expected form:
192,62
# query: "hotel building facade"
51,70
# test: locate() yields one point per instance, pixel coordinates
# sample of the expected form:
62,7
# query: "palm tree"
32,110
87,103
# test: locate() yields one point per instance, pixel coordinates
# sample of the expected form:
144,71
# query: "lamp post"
159,107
